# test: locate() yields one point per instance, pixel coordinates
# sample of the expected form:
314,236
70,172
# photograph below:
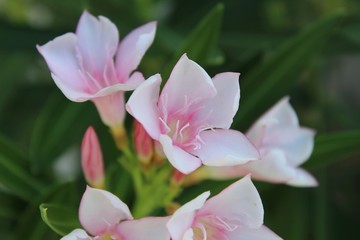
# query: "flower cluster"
186,122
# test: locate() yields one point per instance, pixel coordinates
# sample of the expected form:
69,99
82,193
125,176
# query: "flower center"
212,228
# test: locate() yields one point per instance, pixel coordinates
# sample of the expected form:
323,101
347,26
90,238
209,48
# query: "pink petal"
91,159
142,105
188,83
302,179
273,167
226,102
132,48
181,160
60,56
184,217
98,40
144,229
223,147
77,234
261,233
297,143
111,108
238,204
100,210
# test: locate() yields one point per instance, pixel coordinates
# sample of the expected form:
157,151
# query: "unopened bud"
92,159
143,143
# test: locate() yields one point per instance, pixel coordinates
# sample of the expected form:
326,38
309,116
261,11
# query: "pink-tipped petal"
238,204
181,160
142,105
98,39
148,228
297,143
100,211
302,179
91,159
184,217
60,56
223,147
132,48
136,79
188,83
111,108
77,234
226,102
261,233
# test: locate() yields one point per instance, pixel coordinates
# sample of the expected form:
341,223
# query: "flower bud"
143,143
92,159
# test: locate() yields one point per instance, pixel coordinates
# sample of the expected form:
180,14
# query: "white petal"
98,39
188,83
60,56
77,234
302,179
184,217
101,210
262,233
142,105
149,228
181,160
238,204
132,49
223,147
224,105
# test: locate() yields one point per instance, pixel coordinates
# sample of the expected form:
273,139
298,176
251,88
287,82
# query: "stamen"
167,129
181,131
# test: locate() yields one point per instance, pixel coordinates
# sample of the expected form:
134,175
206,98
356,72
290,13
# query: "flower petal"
302,179
297,143
60,56
226,102
101,210
262,233
111,108
98,39
224,147
77,234
144,229
142,105
184,217
188,83
239,204
181,160
132,48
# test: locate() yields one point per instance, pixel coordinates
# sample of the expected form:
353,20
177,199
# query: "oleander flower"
91,64
234,214
106,217
191,117
283,146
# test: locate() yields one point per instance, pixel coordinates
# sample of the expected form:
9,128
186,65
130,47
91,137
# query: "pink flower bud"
143,143
92,160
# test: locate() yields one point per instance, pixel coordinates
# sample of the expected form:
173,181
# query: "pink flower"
83,65
92,159
283,146
104,216
191,117
234,214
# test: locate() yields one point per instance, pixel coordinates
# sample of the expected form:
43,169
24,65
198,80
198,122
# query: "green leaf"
272,80
9,207
14,174
60,125
201,42
333,147
60,219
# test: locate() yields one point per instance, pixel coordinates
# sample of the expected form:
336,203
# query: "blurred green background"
307,49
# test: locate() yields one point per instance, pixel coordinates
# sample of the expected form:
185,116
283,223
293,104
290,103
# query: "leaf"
60,219
14,173
201,42
333,147
272,80
60,125
9,207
